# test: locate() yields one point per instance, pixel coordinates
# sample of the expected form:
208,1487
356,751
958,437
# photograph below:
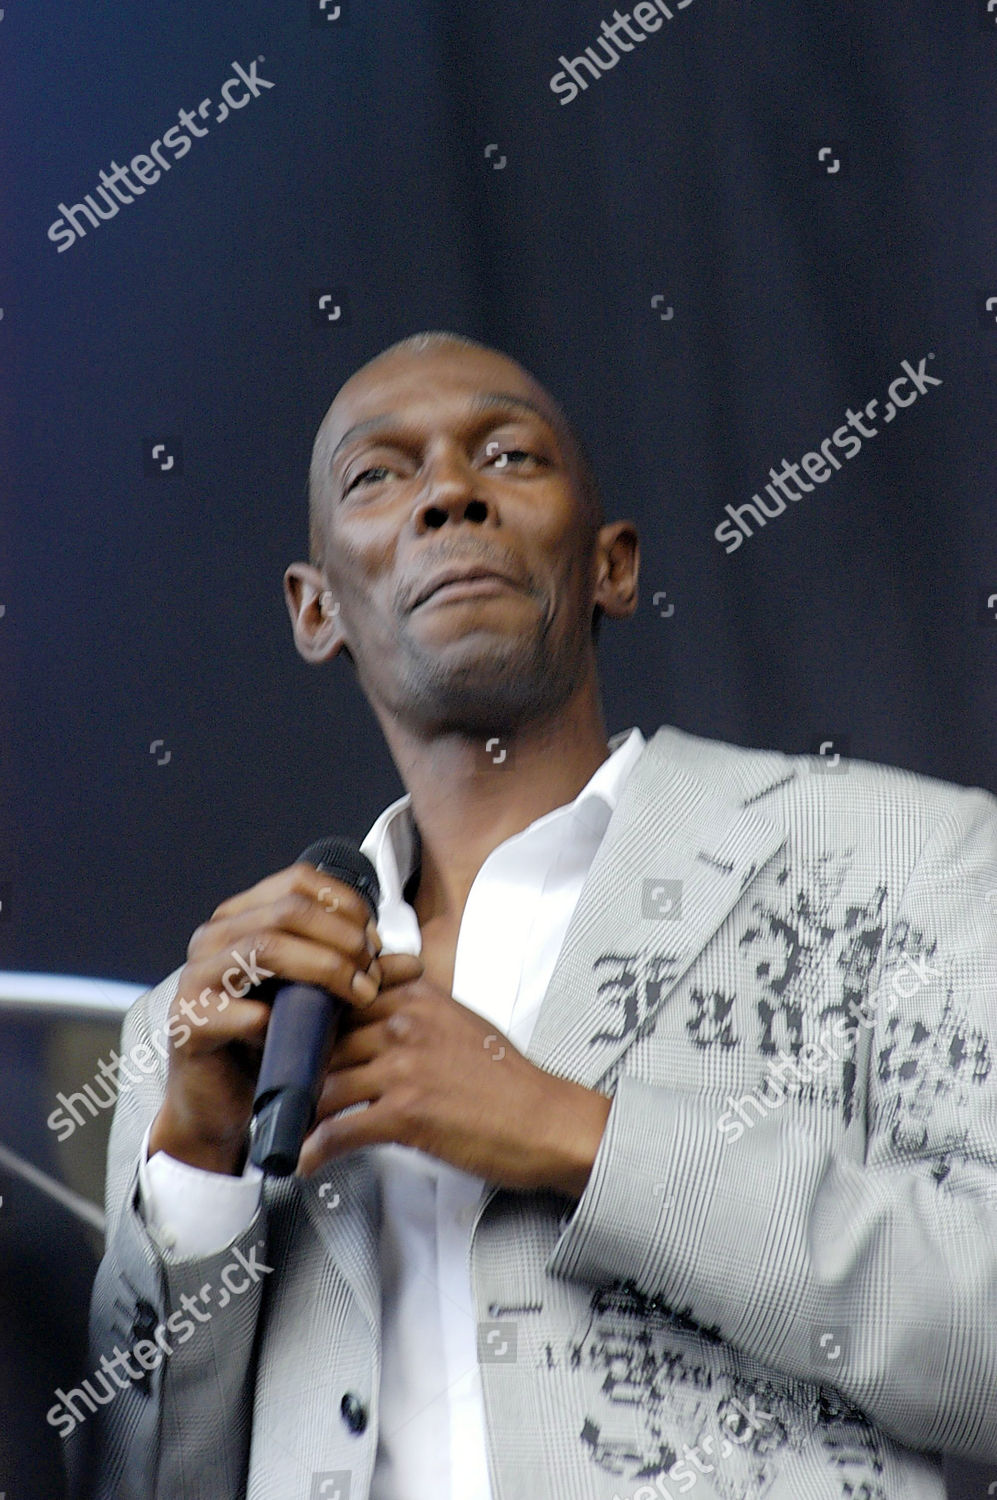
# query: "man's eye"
379,469
503,459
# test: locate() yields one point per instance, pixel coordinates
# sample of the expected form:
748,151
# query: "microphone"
302,1032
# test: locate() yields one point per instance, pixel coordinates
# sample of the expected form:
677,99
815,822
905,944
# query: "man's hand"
299,924
439,1077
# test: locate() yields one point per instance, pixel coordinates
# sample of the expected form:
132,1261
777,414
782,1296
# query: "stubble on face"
486,683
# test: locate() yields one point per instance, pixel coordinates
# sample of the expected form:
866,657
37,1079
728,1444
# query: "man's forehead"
416,386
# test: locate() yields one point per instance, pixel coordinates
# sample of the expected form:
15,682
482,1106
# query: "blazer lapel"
342,1203
676,856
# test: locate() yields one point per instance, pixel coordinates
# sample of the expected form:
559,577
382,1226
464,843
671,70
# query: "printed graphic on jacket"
674,1402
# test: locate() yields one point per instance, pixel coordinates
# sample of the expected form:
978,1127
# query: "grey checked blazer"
783,1290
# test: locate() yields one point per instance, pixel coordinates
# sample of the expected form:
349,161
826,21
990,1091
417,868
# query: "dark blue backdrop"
143,608
712,254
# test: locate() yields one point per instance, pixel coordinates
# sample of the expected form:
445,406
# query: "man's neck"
467,800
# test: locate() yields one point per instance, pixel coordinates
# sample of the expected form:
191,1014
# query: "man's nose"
452,491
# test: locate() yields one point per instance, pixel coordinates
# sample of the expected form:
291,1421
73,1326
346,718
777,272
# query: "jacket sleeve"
180,1430
874,1270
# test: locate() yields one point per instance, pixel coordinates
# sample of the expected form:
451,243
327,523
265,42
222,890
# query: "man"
659,1150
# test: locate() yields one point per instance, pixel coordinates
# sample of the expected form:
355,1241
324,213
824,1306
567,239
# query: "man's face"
453,458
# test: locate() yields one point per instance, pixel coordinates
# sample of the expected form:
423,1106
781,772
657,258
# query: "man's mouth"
458,583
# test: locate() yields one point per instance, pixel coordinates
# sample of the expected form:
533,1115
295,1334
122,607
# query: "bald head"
438,353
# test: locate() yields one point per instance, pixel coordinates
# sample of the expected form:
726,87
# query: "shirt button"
354,1412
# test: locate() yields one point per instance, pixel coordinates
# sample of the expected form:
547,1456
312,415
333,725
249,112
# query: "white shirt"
431,1433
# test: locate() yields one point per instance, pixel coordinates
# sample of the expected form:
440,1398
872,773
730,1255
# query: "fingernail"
364,987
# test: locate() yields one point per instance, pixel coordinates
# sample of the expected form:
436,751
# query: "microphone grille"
345,861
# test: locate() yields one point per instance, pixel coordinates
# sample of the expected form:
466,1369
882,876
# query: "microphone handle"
304,1022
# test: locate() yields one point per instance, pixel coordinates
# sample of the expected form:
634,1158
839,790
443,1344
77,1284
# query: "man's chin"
492,652
481,695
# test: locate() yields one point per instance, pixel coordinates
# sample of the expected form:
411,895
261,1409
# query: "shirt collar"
392,844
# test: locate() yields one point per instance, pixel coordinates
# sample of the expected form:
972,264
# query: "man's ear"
314,611
617,566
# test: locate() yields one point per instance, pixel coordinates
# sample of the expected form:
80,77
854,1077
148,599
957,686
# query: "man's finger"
361,1084
358,1045
331,894
397,969
208,1021
336,1135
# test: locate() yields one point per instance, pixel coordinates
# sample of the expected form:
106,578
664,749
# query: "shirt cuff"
192,1213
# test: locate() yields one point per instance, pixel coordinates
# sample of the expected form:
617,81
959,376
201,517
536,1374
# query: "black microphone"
302,1032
